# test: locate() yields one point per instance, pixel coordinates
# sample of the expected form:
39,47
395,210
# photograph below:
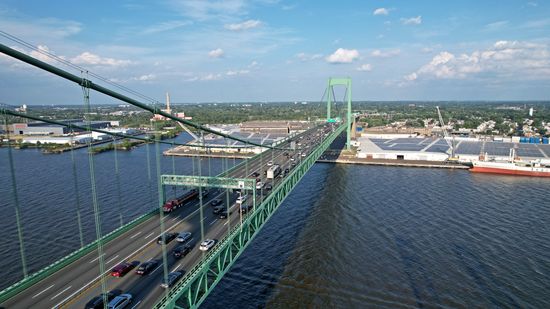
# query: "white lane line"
112,259
154,270
61,292
136,304
175,268
131,254
96,258
44,290
226,222
136,234
213,221
175,218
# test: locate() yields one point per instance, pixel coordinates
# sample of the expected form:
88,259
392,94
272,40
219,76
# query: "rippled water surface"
346,237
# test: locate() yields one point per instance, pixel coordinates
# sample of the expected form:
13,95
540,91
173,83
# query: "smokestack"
168,103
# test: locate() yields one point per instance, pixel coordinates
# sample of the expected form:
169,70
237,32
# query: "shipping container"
545,140
531,140
536,140
524,140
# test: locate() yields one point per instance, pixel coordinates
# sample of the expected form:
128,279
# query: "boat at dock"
512,166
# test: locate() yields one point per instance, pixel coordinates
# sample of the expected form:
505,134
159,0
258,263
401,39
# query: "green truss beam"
203,277
209,182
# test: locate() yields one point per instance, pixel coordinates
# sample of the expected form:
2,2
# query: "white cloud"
166,26
380,11
532,3
147,77
249,24
216,53
87,58
498,25
308,57
505,58
236,72
365,67
211,76
342,55
385,53
412,21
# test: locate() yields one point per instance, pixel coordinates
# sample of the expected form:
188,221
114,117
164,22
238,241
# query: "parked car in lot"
218,209
184,236
121,301
123,268
216,202
97,302
166,238
172,278
181,251
147,267
207,244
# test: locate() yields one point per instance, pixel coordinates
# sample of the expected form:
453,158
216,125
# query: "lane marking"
97,258
61,292
175,268
213,221
44,290
226,222
136,234
155,269
109,261
136,304
149,242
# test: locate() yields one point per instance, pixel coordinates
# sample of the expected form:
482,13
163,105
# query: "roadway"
74,285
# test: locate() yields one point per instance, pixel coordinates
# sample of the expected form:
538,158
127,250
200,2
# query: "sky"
282,50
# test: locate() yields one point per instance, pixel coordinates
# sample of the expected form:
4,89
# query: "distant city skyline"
271,50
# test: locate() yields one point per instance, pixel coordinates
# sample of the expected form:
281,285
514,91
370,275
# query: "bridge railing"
61,263
200,269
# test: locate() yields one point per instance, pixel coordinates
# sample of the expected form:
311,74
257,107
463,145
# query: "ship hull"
510,171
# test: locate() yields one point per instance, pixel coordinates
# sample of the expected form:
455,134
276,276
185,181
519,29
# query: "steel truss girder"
209,182
201,279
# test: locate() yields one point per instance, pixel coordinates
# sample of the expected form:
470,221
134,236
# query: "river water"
348,236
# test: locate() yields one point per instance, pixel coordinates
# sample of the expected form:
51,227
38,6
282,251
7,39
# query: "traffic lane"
77,275
152,251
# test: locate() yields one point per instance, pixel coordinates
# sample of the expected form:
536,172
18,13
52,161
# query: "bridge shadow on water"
252,279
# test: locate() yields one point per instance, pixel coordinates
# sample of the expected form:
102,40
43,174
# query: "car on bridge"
216,202
255,174
269,163
207,244
121,269
259,185
268,187
224,214
181,251
218,209
172,278
166,238
147,267
121,301
184,236
97,302
241,199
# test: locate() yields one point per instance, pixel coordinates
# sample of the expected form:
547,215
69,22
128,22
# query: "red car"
122,268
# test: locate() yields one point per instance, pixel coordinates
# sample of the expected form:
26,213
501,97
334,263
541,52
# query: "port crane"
446,135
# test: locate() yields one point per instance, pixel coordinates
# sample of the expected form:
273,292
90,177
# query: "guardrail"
179,289
20,286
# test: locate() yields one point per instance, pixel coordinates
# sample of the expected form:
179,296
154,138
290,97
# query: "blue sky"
270,50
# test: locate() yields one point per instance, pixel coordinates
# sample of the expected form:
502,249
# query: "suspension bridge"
241,189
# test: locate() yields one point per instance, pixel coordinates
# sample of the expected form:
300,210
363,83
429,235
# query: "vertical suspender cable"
17,206
117,179
149,176
97,214
77,195
161,214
